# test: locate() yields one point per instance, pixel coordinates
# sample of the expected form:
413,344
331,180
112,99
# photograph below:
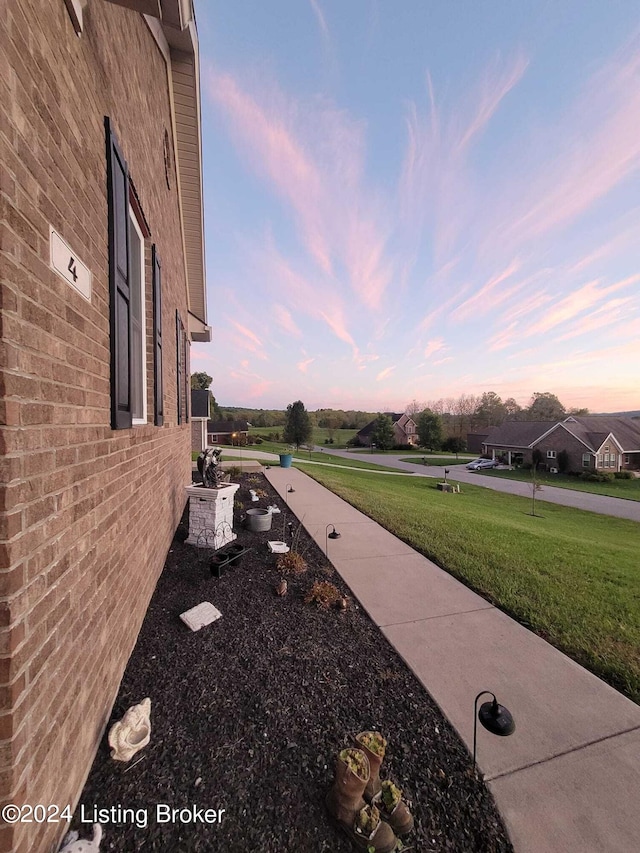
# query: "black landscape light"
494,717
333,535
289,491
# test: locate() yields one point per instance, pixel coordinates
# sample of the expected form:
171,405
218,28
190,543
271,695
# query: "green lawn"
431,461
571,576
340,436
320,456
629,489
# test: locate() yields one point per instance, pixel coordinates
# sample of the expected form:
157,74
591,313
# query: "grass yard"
629,489
324,456
571,576
434,461
299,456
340,436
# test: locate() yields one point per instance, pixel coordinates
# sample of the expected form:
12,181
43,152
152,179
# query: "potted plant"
286,458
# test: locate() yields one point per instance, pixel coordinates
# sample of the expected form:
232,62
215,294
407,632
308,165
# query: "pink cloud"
286,321
594,148
313,156
303,365
433,347
480,302
385,373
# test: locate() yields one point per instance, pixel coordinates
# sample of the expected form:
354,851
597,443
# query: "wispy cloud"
312,154
285,320
593,148
317,11
385,373
303,365
433,346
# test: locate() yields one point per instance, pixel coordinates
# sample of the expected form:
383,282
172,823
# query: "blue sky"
415,200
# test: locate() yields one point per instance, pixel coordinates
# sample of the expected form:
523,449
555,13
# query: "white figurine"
132,733
71,844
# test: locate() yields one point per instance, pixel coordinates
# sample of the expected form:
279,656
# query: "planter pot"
259,520
234,551
286,460
217,563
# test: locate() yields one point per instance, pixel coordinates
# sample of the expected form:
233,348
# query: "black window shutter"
119,292
158,392
187,394
179,352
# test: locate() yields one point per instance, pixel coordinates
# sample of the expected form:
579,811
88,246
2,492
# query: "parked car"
479,464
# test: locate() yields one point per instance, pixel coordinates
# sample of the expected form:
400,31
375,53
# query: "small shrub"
324,594
400,446
623,475
258,441
234,472
607,477
292,563
563,461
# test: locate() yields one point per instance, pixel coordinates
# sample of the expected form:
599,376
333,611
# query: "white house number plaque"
69,266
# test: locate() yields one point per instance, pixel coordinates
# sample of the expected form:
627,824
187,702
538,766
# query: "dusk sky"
421,199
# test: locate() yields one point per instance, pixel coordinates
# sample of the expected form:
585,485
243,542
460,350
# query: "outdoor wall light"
494,717
333,535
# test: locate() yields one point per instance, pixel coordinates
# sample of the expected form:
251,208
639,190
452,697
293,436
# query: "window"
551,454
127,298
138,328
586,460
627,460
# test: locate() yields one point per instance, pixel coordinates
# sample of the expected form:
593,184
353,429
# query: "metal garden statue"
210,468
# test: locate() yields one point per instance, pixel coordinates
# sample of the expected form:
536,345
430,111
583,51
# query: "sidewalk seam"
579,748
439,616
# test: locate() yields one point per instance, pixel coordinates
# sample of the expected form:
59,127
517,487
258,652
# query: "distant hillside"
634,414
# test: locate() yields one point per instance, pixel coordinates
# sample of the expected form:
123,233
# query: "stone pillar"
211,515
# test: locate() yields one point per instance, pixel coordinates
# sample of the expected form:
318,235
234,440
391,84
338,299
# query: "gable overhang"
564,427
173,26
611,438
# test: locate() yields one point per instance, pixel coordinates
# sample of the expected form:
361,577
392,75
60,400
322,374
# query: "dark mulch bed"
248,714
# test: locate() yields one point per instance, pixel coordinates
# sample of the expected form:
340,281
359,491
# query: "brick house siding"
592,442
88,511
559,440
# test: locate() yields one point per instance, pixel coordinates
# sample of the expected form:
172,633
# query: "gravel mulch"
249,713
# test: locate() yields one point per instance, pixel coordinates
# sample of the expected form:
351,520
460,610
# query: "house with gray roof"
592,442
405,430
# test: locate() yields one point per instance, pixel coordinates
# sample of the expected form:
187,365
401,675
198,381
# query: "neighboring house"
199,416
592,442
405,430
227,432
475,440
102,290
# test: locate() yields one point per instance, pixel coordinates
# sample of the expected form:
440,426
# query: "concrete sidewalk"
568,780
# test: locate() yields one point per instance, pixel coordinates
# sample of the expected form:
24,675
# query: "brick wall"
88,512
559,440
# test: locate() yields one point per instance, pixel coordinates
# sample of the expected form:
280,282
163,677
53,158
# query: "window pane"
136,279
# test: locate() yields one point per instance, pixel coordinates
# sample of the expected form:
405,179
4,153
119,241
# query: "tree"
214,409
512,409
297,427
545,406
491,410
429,429
454,444
201,380
383,436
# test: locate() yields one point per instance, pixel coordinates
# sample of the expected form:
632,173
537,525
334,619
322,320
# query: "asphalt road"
602,504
